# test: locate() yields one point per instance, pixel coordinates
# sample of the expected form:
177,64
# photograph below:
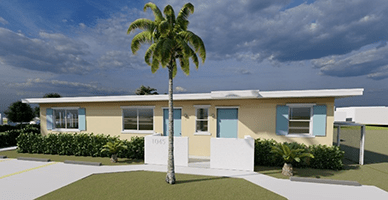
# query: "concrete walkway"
31,179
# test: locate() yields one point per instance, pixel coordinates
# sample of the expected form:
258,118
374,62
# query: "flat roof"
214,95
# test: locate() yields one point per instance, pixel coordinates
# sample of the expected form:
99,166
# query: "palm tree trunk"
170,178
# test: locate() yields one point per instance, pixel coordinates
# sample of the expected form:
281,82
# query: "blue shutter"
81,119
49,118
282,120
319,120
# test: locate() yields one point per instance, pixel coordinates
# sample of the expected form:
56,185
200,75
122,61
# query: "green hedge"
325,157
78,144
8,138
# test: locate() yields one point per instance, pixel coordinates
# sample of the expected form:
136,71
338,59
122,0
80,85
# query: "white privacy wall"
156,150
232,153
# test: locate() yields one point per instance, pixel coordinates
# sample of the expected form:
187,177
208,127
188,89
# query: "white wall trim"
202,133
65,130
202,106
217,107
301,104
65,108
145,107
137,132
300,136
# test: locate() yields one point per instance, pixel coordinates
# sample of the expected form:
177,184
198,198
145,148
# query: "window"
299,119
202,120
65,118
138,119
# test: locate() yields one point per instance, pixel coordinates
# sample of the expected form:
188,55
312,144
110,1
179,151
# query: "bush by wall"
325,157
8,138
78,144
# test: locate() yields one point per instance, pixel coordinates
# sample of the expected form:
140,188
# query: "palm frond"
185,64
140,39
170,14
183,14
194,58
143,24
196,42
158,15
167,49
149,53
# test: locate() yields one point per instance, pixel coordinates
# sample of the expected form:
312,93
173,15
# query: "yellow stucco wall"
257,118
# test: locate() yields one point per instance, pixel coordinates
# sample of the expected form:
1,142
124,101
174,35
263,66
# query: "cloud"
3,21
68,87
372,62
52,53
180,89
120,59
244,71
269,29
82,25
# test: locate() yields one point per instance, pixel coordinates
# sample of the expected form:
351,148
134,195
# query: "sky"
81,48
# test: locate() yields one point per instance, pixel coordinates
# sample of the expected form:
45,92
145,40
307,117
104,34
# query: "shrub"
79,144
325,157
8,138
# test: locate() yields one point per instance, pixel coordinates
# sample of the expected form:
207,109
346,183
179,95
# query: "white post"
338,135
1,119
362,143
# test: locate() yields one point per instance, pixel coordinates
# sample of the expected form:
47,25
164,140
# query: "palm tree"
169,41
289,154
143,90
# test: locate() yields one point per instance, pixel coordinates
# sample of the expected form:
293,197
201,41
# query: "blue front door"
177,122
227,119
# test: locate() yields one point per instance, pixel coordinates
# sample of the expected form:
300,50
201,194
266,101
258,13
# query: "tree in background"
19,112
143,90
169,41
52,95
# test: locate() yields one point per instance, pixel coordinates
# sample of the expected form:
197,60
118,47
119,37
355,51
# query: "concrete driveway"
31,179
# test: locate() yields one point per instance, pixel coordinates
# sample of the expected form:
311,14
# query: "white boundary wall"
232,153
156,150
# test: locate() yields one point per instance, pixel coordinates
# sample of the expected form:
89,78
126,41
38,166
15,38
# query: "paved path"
31,179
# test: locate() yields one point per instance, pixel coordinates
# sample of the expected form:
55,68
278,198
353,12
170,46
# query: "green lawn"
61,158
371,174
151,185
367,127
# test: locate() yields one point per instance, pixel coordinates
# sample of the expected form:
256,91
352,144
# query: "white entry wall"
156,150
232,153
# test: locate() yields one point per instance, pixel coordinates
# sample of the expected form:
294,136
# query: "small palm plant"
113,148
289,154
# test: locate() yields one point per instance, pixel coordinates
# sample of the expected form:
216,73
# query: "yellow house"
304,116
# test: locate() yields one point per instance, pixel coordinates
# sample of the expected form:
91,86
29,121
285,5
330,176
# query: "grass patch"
371,174
151,185
62,158
367,127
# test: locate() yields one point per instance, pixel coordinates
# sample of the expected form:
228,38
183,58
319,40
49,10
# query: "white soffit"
234,94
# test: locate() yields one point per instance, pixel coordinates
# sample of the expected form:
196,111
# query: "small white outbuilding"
374,115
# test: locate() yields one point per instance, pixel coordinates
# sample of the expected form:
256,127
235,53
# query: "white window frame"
196,119
64,129
138,131
304,105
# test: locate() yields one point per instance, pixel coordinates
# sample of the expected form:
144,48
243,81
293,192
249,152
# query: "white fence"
156,150
232,153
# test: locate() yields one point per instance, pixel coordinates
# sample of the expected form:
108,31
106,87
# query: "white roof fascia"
237,94
234,94
338,93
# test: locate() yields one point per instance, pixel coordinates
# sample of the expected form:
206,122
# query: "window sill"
65,130
137,132
202,133
300,136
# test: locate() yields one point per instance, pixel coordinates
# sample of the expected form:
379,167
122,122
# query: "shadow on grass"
129,161
198,180
370,157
